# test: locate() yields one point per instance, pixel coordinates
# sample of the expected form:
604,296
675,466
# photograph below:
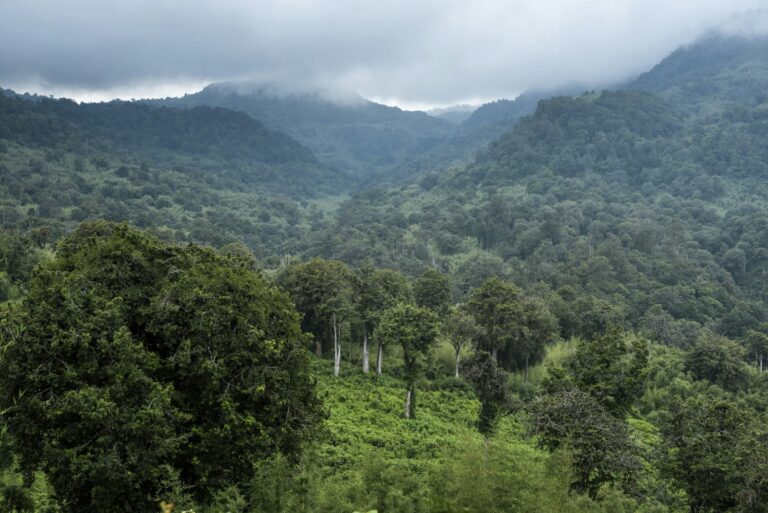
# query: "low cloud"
423,52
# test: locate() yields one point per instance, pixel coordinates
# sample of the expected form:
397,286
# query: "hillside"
206,174
618,193
717,72
351,134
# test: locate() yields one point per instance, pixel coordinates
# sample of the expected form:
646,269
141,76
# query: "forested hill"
618,194
136,128
351,134
206,174
714,73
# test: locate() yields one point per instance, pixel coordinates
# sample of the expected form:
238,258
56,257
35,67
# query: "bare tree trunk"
336,348
365,348
495,354
379,358
318,347
408,403
458,357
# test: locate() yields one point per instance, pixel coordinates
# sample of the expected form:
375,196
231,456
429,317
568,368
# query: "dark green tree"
538,329
611,368
600,446
432,290
718,360
489,383
133,369
704,437
757,349
497,308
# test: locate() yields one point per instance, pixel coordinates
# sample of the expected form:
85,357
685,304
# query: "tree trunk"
408,403
379,358
365,348
495,354
336,348
318,347
458,357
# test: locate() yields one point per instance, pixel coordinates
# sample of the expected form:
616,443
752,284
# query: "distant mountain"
351,134
229,144
208,175
202,131
455,114
714,73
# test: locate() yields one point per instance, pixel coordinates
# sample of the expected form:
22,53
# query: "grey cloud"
412,51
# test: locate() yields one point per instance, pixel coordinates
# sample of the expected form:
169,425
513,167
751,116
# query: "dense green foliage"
134,371
350,134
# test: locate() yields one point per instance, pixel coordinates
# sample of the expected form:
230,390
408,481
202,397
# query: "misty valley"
260,297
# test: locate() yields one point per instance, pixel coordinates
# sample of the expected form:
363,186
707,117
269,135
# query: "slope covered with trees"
617,193
714,73
351,134
205,174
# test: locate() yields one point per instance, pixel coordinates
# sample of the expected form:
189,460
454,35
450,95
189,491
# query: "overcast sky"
414,53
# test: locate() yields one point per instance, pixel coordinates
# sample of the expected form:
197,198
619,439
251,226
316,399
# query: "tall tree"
462,332
416,329
375,291
489,383
322,290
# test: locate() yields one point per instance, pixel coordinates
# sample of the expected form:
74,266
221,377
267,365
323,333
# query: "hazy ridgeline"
555,304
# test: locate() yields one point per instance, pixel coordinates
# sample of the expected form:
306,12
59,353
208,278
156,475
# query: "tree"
718,360
601,448
375,291
136,368
322,291
539,328
416,329
432,290
757,348
704,437
496,308
490,386
462,331
516,329
611,368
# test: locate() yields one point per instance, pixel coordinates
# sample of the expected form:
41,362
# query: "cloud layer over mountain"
414,52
